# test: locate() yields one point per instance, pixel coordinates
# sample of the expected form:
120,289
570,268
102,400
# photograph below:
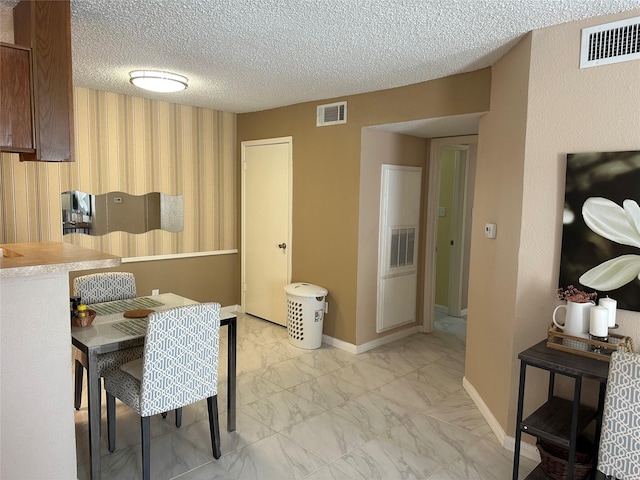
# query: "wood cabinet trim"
16,94
45,27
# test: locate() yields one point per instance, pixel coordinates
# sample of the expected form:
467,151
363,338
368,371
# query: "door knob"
282,245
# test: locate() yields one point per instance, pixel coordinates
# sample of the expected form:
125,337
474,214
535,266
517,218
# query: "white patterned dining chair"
179,367
98,288
619,451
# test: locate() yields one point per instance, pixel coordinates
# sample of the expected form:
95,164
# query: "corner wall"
326,176
493,271
542,108
378,148
570,110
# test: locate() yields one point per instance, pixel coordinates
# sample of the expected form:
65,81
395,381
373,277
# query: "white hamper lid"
303,289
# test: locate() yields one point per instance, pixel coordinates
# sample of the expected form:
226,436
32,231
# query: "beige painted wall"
494,263
211,278
570,110
378,148
326,173
542,107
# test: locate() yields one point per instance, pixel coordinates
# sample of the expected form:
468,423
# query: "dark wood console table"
559,420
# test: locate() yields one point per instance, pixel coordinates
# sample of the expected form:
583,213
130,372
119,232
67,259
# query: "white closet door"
266,233
401,188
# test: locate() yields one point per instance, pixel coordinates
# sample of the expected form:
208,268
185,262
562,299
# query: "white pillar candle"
610,304
598,324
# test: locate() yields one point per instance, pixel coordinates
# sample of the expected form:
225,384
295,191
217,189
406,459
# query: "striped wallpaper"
137,146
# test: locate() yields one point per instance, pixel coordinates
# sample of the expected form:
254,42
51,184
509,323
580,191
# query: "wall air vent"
610,43
331,114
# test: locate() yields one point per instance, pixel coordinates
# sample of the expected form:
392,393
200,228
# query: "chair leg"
111,421
164,414
78,390
146,447
214,425
178,417
100,401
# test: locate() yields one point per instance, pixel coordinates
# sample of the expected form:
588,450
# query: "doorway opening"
448,231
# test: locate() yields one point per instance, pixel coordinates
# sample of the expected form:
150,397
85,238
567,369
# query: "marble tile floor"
396,412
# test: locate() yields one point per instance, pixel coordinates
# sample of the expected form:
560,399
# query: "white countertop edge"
32,270
178,255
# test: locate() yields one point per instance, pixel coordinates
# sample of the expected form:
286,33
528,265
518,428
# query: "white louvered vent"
402,247
331,114
610,43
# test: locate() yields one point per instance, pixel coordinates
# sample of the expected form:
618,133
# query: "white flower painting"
601,225
618,224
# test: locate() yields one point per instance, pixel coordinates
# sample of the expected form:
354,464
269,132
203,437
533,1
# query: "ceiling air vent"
331,114
610,43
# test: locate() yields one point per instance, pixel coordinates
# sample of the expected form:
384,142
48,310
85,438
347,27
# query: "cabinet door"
45,27
16,121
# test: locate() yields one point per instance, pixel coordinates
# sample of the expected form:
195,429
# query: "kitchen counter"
26,259
35,357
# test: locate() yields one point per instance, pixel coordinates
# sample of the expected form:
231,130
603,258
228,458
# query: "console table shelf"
559,420
538,474
552,421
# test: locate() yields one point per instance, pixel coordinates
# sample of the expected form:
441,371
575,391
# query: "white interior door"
266,227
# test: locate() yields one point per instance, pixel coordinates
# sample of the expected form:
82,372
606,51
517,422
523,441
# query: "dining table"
111,331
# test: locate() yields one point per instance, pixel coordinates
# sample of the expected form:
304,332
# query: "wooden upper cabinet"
45,27
16,121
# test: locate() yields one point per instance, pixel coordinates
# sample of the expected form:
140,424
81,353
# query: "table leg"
93,401
603,389
574,427
518,439
232,336
552,382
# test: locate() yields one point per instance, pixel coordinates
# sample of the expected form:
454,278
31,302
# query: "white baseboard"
526,449
346,346
365,347
334,342
231,309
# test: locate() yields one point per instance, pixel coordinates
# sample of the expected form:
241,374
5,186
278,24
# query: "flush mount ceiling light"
155,81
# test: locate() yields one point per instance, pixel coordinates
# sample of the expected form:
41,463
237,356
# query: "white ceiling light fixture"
157,81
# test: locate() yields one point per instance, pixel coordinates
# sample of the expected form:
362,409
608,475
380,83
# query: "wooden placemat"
138,313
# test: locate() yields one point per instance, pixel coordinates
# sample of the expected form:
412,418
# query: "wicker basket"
554,459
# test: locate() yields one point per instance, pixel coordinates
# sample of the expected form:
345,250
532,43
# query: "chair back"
180,363
104,287
620,439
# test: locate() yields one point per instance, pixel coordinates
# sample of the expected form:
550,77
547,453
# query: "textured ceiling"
249,55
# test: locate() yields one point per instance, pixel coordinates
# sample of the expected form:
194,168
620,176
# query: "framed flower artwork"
601,225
